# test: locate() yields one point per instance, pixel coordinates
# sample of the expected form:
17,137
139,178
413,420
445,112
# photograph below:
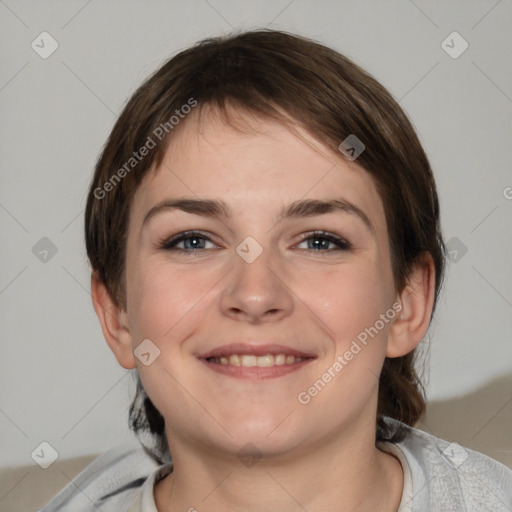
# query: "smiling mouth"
255,362
263,361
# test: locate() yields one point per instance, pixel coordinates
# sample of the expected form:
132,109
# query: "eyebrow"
297,209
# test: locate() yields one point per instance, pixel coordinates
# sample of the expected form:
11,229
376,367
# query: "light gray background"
59,381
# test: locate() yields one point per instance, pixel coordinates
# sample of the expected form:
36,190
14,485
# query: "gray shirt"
438,476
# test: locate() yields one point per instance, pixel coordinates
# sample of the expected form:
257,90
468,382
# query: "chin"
269,434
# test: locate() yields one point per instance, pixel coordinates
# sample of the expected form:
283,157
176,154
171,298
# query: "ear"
417,299
114,324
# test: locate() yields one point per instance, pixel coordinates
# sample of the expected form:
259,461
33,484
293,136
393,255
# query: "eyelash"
170,243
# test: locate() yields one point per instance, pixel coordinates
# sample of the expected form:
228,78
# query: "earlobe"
417,299
113,324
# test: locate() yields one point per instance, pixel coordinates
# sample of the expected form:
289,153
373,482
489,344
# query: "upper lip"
253,349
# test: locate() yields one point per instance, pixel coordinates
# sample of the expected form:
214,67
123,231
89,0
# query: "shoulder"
447,476
109,483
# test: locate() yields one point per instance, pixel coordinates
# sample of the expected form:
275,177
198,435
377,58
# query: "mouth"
249,361
255,361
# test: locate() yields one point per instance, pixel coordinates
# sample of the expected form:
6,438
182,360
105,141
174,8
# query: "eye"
192,240
322,239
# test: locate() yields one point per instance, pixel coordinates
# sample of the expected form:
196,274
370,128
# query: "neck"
341,474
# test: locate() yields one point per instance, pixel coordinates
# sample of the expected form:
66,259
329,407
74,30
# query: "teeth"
234,360
251,360
280,359
267,360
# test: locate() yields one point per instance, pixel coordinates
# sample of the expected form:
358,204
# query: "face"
258,310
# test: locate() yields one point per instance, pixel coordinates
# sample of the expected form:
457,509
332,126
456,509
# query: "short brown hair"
266,72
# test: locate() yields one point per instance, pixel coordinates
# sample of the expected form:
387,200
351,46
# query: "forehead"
256,166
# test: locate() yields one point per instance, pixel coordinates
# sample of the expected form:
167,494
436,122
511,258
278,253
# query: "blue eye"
194,237
321,239
194,241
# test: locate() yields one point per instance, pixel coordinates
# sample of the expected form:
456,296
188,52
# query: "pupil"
318,242
193,242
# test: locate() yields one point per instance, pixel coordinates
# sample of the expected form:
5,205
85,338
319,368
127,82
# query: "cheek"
349,300
165,301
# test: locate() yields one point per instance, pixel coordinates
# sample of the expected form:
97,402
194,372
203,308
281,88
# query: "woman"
264,235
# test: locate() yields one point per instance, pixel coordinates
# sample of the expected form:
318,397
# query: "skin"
320,456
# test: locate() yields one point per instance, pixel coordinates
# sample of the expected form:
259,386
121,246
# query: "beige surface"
481,421
27,488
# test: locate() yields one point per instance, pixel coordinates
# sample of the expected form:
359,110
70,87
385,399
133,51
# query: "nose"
256,292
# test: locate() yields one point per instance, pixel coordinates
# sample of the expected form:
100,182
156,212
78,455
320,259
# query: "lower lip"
256,372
